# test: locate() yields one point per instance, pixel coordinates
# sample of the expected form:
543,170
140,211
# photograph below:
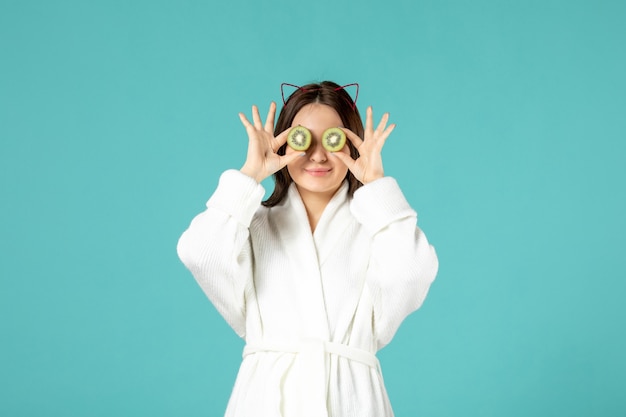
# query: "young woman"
319,276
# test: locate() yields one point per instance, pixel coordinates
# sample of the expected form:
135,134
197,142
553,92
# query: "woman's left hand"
369,165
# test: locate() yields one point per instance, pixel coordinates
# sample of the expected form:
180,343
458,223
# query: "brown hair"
327,93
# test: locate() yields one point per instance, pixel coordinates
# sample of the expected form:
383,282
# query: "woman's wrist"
251,173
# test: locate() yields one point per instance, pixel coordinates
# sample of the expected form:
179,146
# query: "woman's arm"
402,263
216,246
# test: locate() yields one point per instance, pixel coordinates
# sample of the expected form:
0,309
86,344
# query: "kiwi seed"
333,139
299,138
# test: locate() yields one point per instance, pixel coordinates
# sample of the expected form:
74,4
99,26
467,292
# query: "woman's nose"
317,153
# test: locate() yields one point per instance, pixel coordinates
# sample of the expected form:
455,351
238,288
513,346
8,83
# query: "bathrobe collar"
312,249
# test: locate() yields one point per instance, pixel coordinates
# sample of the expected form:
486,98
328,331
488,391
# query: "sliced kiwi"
333,139
299,138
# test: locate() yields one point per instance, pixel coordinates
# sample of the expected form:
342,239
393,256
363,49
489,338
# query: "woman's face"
318,171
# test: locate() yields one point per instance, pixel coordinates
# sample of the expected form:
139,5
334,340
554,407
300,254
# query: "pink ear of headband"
343,87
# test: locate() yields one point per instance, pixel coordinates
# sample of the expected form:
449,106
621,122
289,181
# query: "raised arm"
402,263
216,248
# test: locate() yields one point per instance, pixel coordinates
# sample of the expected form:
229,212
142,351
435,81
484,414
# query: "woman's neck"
315,203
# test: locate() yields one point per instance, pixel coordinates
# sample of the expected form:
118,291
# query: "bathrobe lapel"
332,225
307,253
297,240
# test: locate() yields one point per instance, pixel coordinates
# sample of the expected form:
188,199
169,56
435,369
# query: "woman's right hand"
262,160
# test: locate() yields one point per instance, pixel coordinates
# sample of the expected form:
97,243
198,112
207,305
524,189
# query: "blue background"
116,119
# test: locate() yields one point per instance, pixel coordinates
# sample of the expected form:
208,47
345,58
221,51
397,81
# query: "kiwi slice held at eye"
333,139
299,138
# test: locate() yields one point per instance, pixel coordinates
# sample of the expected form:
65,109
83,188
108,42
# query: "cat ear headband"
306,90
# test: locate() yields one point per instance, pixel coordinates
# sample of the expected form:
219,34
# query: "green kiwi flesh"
333,139
299,138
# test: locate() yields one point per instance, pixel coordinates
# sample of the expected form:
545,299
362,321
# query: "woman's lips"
318,172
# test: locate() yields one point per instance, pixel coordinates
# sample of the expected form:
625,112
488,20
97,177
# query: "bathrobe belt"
313,381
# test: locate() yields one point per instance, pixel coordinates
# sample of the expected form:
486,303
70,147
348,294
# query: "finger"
346,159
383,122
384,133
388,130
368,119
353,137
269,121
245,121
289,158
383,137
257,118
279,140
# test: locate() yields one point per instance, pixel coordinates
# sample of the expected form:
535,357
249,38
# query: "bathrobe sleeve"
402,263
216,246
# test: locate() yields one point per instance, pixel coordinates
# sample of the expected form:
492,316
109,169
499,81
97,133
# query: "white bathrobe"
313,308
